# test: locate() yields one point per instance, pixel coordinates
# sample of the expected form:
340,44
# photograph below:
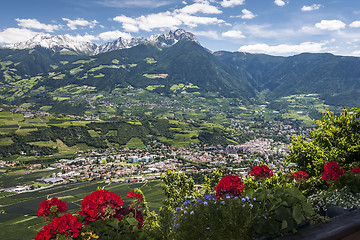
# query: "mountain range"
67,42
161,63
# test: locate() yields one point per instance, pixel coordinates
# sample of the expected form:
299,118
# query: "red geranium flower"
355,171
135,195
300,176
66,225
51,208
332,172
100,204
261,172
229,185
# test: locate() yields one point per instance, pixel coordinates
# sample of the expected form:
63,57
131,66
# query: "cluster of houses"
139,165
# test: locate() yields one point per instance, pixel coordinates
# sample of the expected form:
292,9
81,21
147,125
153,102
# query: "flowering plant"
101,204
229,185
65,226
136,195
300,176
50,209
261,172
355,171
208,217
332,172
102,216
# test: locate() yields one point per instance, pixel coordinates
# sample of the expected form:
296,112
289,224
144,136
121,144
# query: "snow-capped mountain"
66,42
171,38
161,40
120,43
56,43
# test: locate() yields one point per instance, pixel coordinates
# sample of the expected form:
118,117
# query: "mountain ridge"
175,63
59,43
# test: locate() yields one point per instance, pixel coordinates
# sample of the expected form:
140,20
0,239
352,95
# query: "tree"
335,138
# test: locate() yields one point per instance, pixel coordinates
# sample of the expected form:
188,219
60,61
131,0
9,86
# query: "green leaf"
284,224
114,223
132,221
297,214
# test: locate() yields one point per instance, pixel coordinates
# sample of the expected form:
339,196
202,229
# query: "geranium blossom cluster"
300,176
355,171
135,195
229,185
66,226
49,209
101,204
332,172
261,172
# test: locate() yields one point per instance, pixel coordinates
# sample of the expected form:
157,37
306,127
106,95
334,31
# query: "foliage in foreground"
265,204
335,139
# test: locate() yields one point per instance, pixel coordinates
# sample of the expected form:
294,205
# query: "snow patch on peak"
56,43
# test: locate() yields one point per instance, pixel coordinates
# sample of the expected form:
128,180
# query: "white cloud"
355,24
15,35
72,24
355,53
284,49
171,20
85,38
268,31
134,4
112,35
279,3
35,24
232,3
203,7
330,25
208,34
247,14
311,8
233,34
194,21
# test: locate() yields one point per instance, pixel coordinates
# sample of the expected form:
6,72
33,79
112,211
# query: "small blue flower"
177,209
193,204
236,198
207,228
251,206
247,198
243,205
192,212
222,202
243,199
228,197
265,217
254,199
185,212
205,203
208,196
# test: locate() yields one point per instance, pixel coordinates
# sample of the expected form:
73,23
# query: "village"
142,165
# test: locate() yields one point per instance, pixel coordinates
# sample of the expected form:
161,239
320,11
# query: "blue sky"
276,27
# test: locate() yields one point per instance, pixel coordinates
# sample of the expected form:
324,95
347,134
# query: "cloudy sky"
276,27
